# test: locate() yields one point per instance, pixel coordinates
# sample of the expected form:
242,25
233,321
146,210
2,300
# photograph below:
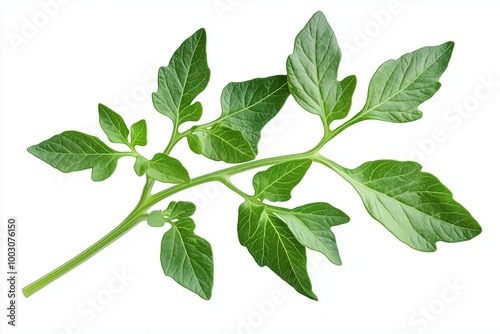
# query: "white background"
88,52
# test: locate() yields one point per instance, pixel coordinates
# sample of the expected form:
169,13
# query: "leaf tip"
201,34
319,14
32,149
312,296
450,44
206,296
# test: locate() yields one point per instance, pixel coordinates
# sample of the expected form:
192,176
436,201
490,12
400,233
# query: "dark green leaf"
73,151
221,144
156,219
272,244
415,206
104,167
313,69
186,76
311,225
167,169
178,210
187,258
277,182
139,133
113,125
248,106
400,86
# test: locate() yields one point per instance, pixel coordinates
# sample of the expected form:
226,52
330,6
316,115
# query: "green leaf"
139,133
181,209
185,77
221,144
156,219
344,102
311,225
73,151
313,69
141,165
167,169
415,206
248,106
187,258
175,212
272,244
113,125
104,167
399,86
277,182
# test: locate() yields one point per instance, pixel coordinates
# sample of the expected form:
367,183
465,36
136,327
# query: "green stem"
173,139
133,219
147,200
330,164
227,182
344,126
138,214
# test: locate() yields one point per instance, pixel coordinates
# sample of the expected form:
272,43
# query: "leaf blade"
312,71
185,77
399,86
311,225
166,169
113,125
179,210
188,258
73,151
156,219
271,244
277,182
413,205
221,144
249,105
139,133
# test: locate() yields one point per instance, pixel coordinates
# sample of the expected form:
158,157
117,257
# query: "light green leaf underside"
156,219
415,206
185,77
221,144
167,169
141,165
277,182
311,225
73,151
248,106
272,244
399,86
188,258
312,71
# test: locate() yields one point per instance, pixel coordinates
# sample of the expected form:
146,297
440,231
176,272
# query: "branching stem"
148,199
